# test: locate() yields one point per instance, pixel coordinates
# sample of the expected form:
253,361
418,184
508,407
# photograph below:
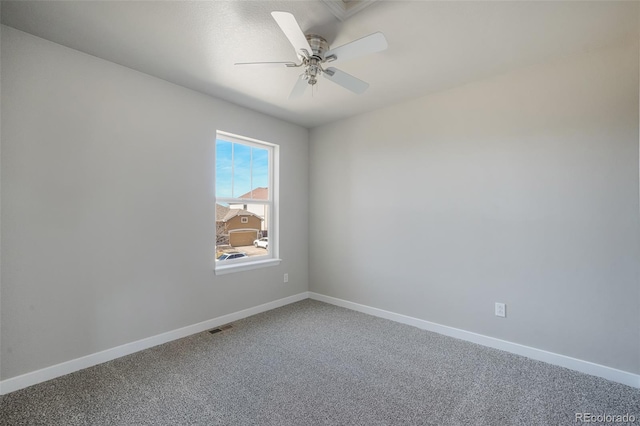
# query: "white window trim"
271,259
229,268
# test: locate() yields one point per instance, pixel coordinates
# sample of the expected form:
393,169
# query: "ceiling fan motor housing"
318,45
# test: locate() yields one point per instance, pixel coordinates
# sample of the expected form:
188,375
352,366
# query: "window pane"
243,201
241,170
260,174
223,168
222,210
242,228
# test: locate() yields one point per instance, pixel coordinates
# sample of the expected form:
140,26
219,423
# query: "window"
246,210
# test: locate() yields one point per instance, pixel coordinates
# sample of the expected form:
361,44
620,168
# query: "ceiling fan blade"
269,64
299,88
291,29
372,43
345,80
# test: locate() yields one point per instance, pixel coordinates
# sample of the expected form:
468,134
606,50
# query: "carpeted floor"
311,363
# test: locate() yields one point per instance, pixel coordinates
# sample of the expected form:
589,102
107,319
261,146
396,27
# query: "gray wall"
521,189
108,216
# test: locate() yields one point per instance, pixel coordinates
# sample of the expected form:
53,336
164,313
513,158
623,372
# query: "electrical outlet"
501,310
286,278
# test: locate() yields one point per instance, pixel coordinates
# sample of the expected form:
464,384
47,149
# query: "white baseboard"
48,373
624,377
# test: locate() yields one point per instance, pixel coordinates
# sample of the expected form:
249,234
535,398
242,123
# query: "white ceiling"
432,45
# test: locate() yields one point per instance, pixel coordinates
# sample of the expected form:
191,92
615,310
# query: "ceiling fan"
313,51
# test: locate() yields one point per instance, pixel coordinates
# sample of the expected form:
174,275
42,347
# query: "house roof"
224,214
221,212
239,212
260,193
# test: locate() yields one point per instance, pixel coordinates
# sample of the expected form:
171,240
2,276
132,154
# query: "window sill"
239,267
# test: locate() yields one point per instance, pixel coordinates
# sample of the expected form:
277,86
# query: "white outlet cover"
501,310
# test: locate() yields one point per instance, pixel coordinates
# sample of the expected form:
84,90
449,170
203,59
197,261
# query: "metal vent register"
222,328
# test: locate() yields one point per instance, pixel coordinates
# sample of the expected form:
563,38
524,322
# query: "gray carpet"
311,363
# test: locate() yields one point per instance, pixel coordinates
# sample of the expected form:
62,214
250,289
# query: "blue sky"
240,168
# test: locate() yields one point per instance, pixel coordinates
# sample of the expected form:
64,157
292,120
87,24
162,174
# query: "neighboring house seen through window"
245,190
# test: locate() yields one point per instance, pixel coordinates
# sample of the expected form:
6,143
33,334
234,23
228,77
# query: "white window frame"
272,257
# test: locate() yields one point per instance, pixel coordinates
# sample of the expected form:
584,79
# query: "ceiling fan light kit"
313,51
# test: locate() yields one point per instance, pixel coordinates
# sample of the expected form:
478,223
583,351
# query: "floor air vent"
220,329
